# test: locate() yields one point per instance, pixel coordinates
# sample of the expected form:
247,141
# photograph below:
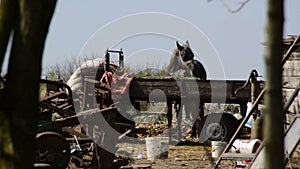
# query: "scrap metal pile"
68,134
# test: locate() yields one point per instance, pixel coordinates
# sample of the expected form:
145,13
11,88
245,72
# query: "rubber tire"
58,149
225,122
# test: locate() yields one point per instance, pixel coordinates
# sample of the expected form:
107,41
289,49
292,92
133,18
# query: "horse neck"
180,60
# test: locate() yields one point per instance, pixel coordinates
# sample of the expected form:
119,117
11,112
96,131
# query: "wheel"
217,127
53,149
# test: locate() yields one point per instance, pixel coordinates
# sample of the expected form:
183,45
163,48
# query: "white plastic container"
217,148
157,147
246,146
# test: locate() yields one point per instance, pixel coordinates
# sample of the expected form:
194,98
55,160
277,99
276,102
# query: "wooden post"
254,92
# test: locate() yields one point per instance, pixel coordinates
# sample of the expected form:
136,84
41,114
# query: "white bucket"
246,146
157,147
217,148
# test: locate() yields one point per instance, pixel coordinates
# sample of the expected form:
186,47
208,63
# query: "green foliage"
43,90
152,73
51,75
62,71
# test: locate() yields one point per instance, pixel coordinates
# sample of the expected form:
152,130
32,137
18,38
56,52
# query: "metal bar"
73,120
291,99
53,96
107,60
58,83
124,134
67,104
121,60
292,136
290,51
72,139
115,51
61,112
71,131
238,155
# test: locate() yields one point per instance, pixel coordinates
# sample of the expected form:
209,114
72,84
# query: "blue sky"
236,37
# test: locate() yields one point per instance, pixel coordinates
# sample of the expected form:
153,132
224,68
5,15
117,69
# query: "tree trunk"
273,124
22,86
8,13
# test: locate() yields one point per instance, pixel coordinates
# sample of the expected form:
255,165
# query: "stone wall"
291,79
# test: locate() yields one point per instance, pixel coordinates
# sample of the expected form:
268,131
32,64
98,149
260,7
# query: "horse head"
183,59
185,51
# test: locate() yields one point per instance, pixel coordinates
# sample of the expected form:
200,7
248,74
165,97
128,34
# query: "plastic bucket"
246,146
157,147
217,148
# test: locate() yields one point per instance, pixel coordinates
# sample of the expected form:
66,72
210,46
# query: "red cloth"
119,84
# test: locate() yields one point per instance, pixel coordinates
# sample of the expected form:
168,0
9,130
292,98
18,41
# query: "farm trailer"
178,93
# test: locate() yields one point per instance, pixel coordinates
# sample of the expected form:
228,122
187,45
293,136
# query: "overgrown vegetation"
62,71
152,73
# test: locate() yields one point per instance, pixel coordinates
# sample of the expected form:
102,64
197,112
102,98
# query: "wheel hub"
215,131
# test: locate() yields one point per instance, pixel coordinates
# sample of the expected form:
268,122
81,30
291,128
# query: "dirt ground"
180,156
190,155
187,154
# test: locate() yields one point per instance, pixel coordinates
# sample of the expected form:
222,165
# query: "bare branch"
229,9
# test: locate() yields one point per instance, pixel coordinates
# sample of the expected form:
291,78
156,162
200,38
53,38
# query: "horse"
183,59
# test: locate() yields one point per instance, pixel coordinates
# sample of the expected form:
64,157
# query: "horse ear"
179,46
187,43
